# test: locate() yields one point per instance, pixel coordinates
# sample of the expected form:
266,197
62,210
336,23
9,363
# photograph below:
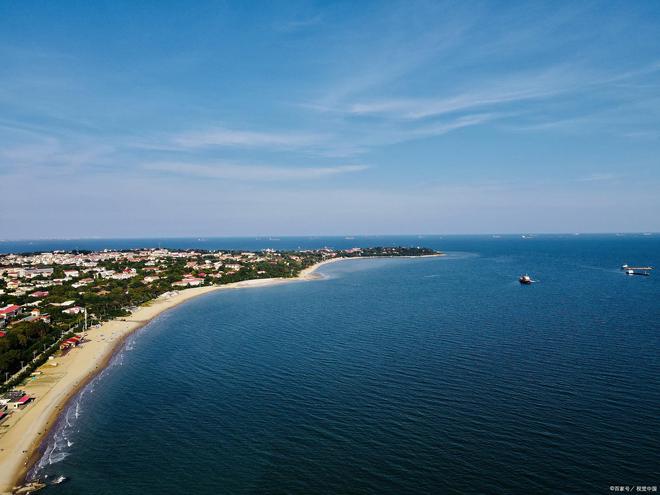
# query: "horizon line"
311,236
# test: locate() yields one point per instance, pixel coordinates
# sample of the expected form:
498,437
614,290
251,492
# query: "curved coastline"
22,444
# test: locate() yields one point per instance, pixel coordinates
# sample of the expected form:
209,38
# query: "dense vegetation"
23,342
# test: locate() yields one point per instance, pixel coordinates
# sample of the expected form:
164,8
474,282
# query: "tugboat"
525,279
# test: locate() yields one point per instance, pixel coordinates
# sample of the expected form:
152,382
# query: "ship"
631,271
60,479
525,279
644,271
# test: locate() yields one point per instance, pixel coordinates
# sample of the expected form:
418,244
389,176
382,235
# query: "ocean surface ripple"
438,375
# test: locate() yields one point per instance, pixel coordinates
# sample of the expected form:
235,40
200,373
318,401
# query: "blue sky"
295,118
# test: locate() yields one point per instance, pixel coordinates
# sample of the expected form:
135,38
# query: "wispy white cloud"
54,155
233,171
427,107
348,139
391,133
599,177
511,89
298,23
223,137
440,128
651,135
409,39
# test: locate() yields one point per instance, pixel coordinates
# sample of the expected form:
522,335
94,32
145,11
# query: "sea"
386,376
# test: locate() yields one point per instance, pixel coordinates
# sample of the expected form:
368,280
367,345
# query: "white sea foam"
59,443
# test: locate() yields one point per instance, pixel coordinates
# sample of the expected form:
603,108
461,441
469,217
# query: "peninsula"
63,314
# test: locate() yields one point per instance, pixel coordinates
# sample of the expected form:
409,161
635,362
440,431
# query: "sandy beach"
22,433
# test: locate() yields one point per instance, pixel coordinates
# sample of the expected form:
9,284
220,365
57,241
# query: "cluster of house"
13,313
26,276
213,265
32,265
20,281
22,271
189,281
121,275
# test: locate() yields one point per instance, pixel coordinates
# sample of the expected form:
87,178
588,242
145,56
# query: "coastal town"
54,303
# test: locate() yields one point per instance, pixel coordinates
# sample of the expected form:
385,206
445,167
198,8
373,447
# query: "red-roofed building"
9,311
20,402
71,342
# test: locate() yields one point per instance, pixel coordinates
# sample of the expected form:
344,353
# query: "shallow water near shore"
434,375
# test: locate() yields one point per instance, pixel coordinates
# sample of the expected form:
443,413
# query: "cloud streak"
299,24
223,137
512,89
233,171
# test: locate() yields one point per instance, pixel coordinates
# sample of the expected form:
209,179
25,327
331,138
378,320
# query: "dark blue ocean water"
436,375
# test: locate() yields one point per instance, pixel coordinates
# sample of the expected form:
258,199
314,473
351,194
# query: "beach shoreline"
21,444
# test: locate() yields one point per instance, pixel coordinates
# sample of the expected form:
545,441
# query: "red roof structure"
9,309
71,342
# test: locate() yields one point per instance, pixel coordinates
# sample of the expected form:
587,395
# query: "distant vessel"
637,270
525,279
59,479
